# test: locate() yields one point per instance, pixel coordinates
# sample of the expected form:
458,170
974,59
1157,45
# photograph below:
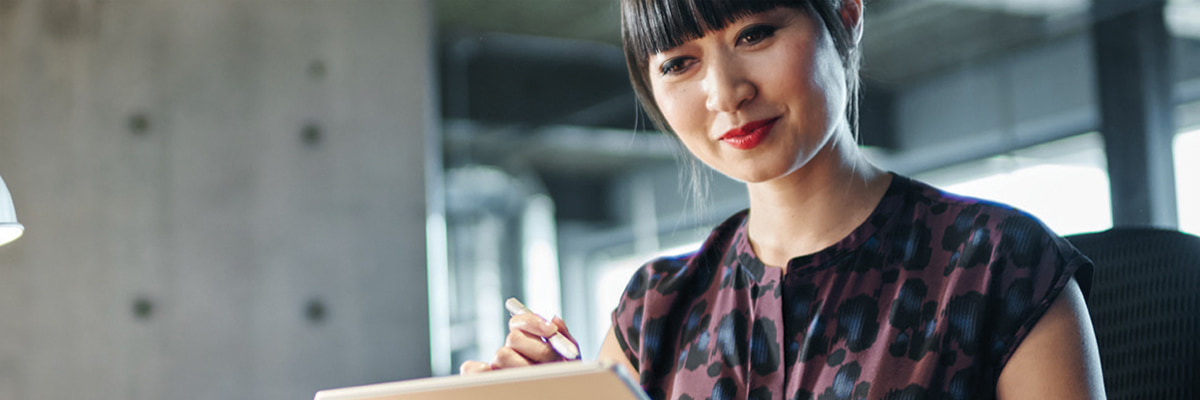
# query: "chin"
759,174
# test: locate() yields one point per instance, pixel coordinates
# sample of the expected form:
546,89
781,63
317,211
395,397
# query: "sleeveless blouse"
928,298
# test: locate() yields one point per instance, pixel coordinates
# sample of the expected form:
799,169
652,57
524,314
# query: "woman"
841,281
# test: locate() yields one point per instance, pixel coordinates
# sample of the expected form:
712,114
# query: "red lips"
748,136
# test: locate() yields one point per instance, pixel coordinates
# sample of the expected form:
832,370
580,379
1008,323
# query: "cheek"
796,70
805,76
684,110
829,77
679,106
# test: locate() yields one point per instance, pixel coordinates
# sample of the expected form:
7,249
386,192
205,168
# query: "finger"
533,324
532,347
506,357
474,367
562,328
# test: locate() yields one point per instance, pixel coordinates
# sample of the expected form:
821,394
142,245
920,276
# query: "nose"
726,85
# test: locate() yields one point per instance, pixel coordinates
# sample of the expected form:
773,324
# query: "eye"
755,33
675,66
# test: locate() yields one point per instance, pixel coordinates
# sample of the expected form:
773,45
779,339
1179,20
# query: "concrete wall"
222,199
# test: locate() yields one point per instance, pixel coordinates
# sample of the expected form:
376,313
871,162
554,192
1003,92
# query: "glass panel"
1187,180
612,276
1064,183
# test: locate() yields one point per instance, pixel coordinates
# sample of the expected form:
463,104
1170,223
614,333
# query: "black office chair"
1145,306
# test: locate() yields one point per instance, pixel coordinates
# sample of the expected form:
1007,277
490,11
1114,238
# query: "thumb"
474,367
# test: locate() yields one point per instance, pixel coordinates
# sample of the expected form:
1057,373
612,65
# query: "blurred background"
236,199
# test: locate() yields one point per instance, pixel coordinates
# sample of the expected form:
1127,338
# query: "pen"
560,343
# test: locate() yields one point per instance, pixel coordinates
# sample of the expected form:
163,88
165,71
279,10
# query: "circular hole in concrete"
311,134
139,124
315,311
316,69
143,308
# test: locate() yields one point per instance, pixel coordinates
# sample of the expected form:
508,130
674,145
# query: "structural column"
1136,109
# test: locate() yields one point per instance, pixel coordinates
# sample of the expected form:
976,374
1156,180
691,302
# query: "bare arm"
611,351
1059,358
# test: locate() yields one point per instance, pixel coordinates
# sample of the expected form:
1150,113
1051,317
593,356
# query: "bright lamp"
10,229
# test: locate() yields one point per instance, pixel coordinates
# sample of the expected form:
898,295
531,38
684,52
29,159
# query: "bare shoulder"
1059,358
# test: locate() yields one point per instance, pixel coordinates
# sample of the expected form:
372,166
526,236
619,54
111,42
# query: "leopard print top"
928,298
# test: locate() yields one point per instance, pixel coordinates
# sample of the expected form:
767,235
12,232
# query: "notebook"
566,380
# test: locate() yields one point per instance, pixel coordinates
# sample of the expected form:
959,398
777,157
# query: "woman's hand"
525,344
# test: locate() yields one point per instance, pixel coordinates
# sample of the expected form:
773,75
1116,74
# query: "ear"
852,13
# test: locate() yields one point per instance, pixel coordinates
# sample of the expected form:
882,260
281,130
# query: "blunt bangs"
659,25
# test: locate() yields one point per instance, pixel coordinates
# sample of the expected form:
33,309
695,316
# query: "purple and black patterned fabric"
927,299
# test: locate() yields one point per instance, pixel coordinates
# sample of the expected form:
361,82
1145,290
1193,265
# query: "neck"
819,204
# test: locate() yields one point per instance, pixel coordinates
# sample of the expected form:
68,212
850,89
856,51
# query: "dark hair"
652,26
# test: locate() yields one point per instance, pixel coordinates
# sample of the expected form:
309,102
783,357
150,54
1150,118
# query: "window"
1063,183
611,276
1187,180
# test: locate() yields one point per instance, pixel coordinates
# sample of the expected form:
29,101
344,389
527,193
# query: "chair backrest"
1145,306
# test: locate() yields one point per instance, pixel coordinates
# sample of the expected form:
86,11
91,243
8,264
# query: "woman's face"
756,100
